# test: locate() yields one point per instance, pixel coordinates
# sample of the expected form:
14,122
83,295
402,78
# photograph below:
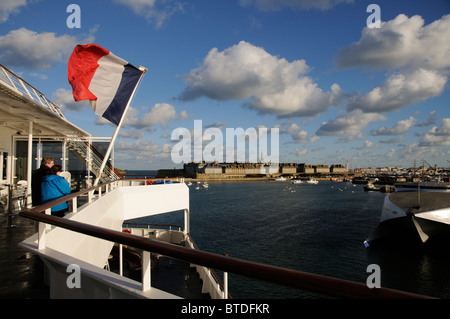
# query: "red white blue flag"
103,78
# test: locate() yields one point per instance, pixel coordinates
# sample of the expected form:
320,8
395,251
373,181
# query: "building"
321,169
306,169
338,169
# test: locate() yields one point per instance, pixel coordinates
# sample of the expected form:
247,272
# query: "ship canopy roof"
21,103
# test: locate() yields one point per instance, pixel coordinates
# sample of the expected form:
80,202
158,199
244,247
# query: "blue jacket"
54,187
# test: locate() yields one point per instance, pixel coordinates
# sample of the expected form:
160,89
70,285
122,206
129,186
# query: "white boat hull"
420,216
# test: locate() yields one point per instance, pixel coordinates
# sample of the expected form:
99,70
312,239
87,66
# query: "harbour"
318,228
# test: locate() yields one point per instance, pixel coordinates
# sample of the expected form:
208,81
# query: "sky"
336,79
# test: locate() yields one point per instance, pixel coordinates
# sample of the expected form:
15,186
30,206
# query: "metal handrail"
25,88
324,285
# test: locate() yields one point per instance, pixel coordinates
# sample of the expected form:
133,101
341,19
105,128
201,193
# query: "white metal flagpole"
116,131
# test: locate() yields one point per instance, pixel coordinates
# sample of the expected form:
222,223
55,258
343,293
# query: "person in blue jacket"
54,187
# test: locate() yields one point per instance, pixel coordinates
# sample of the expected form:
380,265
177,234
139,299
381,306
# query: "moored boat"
312,181
415,212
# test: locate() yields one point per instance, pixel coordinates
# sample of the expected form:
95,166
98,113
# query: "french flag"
103,78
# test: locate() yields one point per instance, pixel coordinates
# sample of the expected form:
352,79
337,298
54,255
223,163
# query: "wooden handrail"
319,284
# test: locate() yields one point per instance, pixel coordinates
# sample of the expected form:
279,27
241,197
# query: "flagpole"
116,131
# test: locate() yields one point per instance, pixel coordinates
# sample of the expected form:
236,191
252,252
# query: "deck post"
42,229
186,222
74,205
225,285
121,259
41,239
146,271
29,203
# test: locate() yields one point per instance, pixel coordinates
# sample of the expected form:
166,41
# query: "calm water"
313,228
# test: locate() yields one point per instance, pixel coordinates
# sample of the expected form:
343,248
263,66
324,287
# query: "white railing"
25,89
83,148
211,283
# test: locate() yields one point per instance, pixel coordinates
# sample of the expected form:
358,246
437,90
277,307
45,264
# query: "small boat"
371,187
280,179
383,189
312,181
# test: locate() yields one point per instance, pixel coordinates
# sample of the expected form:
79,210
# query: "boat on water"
78,250
382,188
414,213
312,181
280,179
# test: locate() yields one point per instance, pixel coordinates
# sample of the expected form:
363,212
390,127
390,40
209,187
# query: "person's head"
48,161
55,170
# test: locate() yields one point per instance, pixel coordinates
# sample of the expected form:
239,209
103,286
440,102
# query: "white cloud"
273,84
159,114
272,5
297,133
135,148
8,7
393,140
415,151
131,134
433,144
400,42
64,99
33,50
400,90
417,52
429,121
390,153
367,144
138,152
155,11
437,136
400,127
349,124
300,153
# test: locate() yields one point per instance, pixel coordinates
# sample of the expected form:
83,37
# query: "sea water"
312,228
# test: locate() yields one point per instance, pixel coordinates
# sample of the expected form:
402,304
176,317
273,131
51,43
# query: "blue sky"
313,69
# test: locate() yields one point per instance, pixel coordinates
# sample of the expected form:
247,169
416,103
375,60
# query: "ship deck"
411,202
22,274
